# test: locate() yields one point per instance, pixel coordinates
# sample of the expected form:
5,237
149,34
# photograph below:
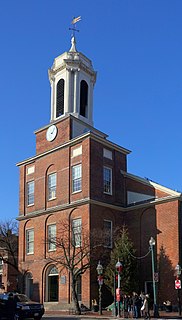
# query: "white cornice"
151,183
75,141
98,203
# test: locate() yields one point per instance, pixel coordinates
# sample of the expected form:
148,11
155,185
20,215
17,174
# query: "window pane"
30,192
77,178
107,180
52,186
77,232
30,241
51,237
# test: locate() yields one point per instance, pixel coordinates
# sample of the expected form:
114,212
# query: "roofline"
151,183
73,142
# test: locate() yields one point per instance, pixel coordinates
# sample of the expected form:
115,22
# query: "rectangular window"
107,154
77,178
107,180
52,186
108,233
30,193
30,241
77,232
52,237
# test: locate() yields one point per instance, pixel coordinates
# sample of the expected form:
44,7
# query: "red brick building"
77,172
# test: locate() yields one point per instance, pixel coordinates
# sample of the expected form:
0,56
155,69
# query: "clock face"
51,133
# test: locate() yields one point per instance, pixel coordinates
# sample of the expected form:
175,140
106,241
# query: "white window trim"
105,167
51,249
28,230
77,245
77,165
30,204
53,197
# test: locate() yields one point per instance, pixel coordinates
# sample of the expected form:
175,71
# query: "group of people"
136,306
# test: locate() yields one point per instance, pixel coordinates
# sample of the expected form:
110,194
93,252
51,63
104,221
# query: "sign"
63,279
156,277
177,284
118,295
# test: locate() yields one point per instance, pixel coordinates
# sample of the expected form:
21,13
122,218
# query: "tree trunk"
74,295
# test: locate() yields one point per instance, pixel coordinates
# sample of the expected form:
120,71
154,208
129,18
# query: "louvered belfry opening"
83,98
60,98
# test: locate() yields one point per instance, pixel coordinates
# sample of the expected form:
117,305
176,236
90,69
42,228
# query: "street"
56,317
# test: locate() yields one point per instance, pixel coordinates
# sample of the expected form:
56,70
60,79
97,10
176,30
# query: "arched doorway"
29,285
52,281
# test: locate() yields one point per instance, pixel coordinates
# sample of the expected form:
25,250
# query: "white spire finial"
73,45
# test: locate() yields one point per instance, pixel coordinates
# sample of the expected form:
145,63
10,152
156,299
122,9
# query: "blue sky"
136,48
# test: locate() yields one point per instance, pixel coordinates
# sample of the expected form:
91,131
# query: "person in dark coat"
136,305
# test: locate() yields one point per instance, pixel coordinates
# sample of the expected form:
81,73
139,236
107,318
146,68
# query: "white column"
52,100
68,91
90,102
75,105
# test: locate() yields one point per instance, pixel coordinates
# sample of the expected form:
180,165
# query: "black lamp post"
100,281
152,244
119,267
178,273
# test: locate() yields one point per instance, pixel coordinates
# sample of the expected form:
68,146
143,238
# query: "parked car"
24,307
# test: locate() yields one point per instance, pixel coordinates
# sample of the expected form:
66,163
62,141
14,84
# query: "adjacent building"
77,173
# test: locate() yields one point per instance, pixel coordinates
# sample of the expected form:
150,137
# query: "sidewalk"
106,315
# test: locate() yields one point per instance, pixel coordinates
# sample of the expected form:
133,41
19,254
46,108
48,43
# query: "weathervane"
73,22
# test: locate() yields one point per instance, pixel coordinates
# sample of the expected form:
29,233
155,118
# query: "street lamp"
100,281
119,267
152,244
178,273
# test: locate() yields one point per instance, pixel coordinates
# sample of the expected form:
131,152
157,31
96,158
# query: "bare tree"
75,249
9,243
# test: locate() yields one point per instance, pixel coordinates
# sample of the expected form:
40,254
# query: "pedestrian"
135,303
125,305
145,307
130,307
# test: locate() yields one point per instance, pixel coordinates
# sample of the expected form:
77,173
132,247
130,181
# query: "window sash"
52,237
107,180
30,241
77,232
30,193
77,178
52,186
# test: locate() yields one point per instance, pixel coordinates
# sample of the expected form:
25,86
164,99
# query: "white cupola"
72,80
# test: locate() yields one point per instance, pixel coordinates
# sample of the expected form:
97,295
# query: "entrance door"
52,284
29,285
53,288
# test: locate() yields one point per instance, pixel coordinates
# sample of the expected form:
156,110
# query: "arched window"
60,98
83,98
